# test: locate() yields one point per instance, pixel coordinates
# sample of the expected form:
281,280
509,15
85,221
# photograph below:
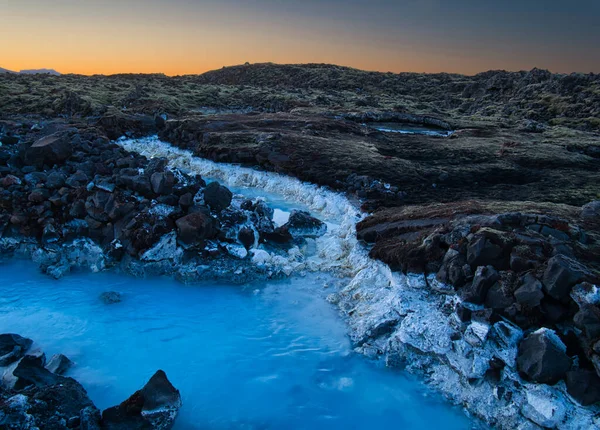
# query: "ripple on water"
274,355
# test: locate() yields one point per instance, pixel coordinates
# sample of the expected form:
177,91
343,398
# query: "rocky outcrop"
12,348
543,357
537,271
155,406
35,395
97,205
303,224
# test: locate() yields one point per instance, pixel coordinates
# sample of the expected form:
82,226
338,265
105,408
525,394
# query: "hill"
40,71
499,97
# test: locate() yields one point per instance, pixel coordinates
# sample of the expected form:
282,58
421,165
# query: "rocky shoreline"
466,346
478,267
35,394
74,199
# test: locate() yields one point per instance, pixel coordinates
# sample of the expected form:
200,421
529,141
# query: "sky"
192,36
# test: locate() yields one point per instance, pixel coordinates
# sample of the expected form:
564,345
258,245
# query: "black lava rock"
542,357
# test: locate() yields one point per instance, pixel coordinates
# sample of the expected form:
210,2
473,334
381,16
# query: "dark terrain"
506,209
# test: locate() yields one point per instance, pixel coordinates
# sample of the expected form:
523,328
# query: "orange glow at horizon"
152,37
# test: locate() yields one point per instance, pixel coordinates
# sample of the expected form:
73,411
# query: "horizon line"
50,69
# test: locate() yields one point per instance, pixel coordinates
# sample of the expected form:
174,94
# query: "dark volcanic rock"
155,406
31,371
584,386
452,270
485,277
12,347
302,223
530,292
162,182
217,196
542,357
49,150
590,213
59,364
588,320
560,275
61,406
246,237
196,227
111,297
490,247
499,297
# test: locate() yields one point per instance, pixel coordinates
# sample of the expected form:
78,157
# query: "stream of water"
269,355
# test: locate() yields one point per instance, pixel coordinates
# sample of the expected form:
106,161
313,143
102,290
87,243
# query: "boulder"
31,371
302,223
246,237
77,179
59,364
481,251
111,297
485,277
584,386
49,150
162,182
588,320
561,274
499,297
10,180
217,196
543,357
61,406
530,292
155,406
12,348
452,271
141,184
56,180
590,213
196,227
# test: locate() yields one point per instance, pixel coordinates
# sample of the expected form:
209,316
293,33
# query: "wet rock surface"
43,398
155,406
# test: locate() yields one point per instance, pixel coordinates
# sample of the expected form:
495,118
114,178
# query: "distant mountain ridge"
32,71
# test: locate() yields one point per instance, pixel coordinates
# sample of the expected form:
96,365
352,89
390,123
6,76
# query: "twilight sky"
193,36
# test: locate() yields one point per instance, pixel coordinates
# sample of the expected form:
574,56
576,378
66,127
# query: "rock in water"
59,364
111,297
543,357
12,347
301,223
155,406
60,406
31,371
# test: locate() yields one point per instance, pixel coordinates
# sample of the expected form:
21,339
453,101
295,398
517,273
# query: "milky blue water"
405,128
268,356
